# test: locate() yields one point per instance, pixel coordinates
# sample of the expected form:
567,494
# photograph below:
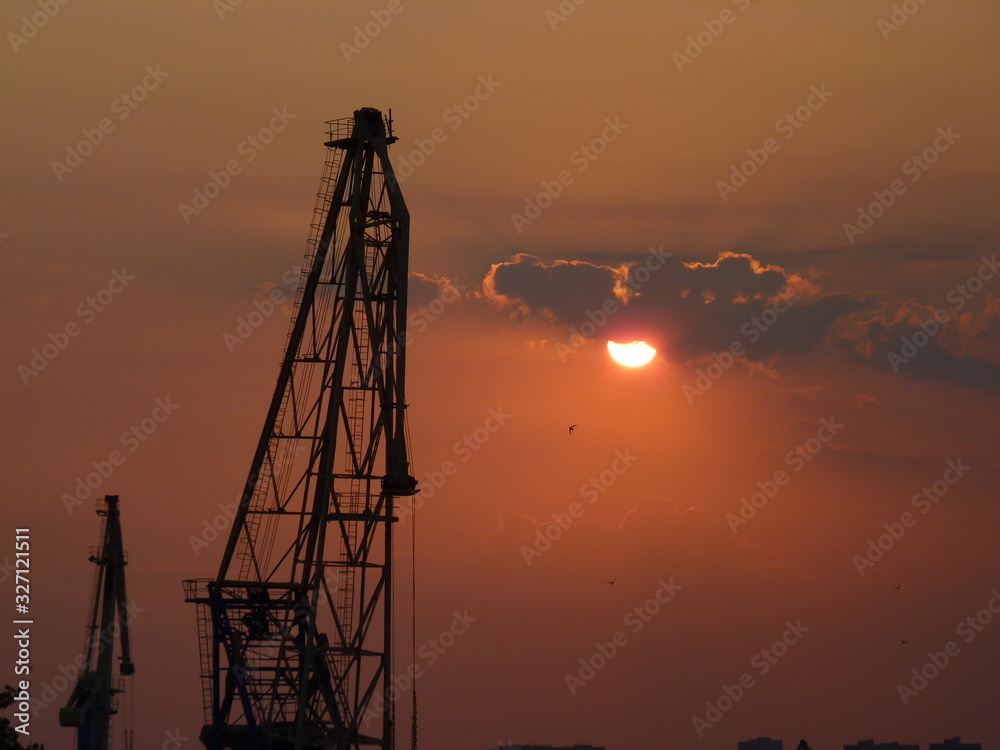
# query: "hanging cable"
413,612
413,729
392,725
130,696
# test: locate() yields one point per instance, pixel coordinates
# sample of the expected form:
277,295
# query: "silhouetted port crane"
93,700
296,628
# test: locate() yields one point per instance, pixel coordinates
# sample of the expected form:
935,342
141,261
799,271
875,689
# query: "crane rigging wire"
413,589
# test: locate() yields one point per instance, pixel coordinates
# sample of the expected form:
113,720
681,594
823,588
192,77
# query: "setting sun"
634,354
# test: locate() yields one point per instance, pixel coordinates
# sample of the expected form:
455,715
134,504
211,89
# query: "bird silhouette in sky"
571,428
897,587
612,581
904,642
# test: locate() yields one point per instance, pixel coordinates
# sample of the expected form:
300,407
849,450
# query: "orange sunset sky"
794,201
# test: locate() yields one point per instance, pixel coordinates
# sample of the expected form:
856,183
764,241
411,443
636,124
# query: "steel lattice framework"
94,698
296,629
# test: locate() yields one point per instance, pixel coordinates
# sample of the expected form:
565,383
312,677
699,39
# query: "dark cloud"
562,288
928,343
692,309
433,293
688,308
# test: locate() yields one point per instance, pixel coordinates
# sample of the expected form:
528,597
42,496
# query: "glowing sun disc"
634,354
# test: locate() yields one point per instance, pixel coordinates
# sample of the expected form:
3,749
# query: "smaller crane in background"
92,702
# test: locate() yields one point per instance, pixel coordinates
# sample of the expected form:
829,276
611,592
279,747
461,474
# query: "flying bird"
904,642
571,428
897,587
612,581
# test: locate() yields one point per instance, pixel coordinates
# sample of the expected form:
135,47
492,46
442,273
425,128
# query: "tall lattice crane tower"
94,698
296,628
